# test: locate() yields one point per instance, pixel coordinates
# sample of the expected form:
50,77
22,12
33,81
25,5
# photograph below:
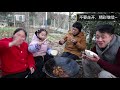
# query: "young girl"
39,47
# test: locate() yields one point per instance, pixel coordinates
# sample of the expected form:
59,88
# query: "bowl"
90,53
54,52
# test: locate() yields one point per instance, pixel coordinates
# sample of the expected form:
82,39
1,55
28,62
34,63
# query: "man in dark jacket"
107,63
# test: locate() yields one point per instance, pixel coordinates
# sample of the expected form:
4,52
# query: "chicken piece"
59,72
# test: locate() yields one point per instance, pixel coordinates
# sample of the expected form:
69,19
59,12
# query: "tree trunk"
27,24
90,43
14,19
69,20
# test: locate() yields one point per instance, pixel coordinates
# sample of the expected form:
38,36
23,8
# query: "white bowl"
90,53
54,52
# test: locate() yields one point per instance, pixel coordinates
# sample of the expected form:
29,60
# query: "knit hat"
77,25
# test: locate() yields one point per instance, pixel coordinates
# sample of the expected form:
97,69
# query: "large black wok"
70,66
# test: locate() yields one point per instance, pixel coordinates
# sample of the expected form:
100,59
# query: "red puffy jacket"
14,59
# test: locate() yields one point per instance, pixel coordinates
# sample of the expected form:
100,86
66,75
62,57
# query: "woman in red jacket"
16,60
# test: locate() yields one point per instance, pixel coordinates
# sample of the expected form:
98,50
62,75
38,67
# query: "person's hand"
94,58
83,56
32,70
62,41
74,41
17,41
40,43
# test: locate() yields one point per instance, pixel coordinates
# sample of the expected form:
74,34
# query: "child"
39,48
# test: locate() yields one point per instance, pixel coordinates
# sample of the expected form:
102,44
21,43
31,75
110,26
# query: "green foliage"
89,26
32,17
6,32
4,15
